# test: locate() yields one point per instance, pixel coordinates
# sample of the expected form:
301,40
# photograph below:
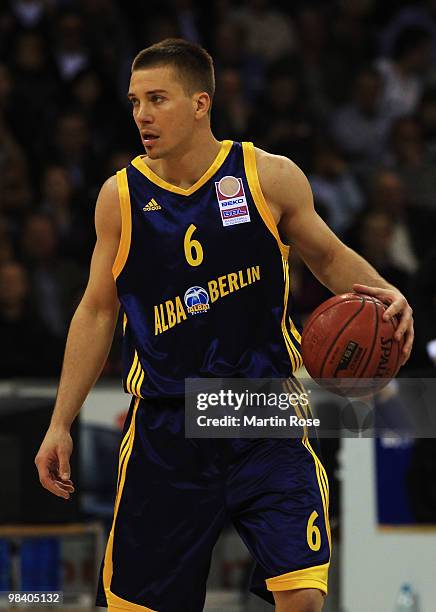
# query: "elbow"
101,313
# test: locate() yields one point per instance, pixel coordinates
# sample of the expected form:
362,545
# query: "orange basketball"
347,338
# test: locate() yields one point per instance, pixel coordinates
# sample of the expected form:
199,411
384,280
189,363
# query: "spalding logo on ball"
348,347
196,300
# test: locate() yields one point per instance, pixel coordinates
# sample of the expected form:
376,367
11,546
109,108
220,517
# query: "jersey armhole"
126,224
258,197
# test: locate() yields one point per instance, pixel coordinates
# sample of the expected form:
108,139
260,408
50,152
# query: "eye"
156,99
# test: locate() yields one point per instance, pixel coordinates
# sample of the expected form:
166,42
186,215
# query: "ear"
201,103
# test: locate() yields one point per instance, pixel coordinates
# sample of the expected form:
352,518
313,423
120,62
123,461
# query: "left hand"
398,305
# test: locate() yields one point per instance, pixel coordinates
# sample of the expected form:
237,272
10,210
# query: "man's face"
163,111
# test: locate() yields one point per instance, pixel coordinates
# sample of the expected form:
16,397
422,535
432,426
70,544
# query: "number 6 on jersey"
193,249
313,533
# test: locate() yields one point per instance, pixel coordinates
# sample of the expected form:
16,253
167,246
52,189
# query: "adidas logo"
152,205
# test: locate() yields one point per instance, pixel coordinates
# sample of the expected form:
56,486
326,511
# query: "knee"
302,600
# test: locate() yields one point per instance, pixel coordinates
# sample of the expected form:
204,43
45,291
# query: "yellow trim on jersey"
309,578
131,373
140,165
294,354
126,224
124,450
294,387
138,386
124,323
115,602
121,460
258,197
294,331
321,474
323,484
125,439
135,377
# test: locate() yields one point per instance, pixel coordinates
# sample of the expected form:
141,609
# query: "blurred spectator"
29,14
14,135
353,30
420,15
335,189
423,300
59,201
5,88
389,195
404,74
350,45
187,18
409,157
159,26
16,192
33,72
57,196
269,31
426,116
29,349
230,112
373,236
32,62
359,127
6,246
106,25
118,160
74,149
7,107
71,51
316,67
281,122
96,102
230,51
55,282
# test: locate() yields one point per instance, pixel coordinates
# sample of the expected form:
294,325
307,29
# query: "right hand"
53,462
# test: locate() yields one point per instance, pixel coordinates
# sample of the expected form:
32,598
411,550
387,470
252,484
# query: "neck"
184,167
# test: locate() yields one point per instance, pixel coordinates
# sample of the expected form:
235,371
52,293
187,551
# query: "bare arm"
338,267
88,344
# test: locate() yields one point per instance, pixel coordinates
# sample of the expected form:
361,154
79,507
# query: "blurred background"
346,89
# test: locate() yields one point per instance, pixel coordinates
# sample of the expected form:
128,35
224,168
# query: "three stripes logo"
152,205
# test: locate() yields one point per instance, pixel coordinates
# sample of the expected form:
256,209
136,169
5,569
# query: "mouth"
148,138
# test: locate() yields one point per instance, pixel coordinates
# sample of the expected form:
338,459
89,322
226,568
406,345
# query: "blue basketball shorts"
175,495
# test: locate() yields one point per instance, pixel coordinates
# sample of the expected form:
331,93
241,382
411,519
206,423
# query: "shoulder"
282,182
109,189
107,210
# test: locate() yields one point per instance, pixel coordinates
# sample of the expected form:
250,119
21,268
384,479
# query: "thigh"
279,495
168,513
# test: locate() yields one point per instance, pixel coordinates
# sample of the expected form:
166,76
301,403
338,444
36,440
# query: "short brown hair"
192,63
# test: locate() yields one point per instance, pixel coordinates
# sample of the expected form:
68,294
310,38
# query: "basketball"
346,338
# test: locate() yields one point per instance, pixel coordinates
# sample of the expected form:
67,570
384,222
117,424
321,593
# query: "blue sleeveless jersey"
203,278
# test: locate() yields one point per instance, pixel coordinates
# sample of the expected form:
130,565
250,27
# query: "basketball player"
192,241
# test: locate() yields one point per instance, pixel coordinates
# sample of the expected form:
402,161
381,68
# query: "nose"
144,115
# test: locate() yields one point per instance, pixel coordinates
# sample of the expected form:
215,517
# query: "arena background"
346,89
